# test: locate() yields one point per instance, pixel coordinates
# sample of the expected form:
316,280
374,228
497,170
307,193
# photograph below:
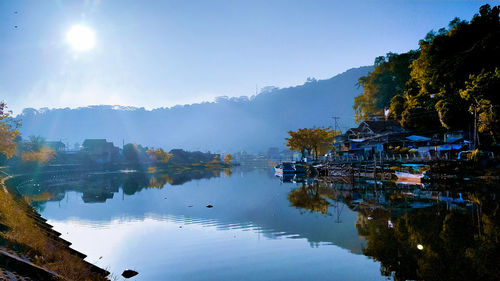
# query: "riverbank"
31,249
383,169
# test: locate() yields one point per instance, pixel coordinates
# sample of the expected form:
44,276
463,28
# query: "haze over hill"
226,125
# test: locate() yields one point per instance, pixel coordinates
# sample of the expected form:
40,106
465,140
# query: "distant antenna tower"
335,118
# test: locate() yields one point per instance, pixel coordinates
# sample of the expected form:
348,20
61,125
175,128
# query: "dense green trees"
380,86
133,152
482,92
439,86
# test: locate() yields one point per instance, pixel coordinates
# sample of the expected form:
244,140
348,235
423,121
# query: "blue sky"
162,53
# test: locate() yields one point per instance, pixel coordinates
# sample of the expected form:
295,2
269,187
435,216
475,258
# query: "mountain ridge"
225,125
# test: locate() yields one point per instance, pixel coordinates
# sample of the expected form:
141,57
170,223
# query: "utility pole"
335,118
475,128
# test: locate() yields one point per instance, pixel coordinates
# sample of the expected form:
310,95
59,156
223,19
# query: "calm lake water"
264,228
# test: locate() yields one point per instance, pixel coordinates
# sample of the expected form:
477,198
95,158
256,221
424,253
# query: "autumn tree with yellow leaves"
8,132
158,155
44,155
227,158
315,141
36,150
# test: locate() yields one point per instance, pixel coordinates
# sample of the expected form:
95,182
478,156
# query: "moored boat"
284,168
412,173
300,168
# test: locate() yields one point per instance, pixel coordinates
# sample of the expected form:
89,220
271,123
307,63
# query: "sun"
81,38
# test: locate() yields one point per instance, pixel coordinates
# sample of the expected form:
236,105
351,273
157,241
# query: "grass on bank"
36,244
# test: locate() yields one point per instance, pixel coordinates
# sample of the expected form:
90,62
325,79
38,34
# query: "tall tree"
448,58
158,155
131,152
316,140
227,158
8,132
482,92
452,73
379,87
34,144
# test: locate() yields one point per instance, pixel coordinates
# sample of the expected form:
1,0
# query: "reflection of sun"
81,38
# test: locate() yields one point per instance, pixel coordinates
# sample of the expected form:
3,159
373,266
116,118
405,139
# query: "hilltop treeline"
229,124
449,83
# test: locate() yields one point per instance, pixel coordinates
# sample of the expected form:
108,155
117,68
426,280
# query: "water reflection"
97,187
311,197
420,234
142,218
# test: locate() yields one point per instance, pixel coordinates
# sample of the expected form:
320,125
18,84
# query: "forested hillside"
228,124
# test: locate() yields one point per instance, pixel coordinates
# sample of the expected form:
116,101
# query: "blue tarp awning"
449,147
418,138
453,139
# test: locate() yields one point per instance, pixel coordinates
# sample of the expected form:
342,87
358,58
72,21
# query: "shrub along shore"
29,247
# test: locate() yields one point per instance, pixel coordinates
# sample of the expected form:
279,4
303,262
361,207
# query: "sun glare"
81,38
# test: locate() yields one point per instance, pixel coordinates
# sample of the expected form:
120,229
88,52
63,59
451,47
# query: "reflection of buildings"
424,234
245,201
395,221
91,197
97,187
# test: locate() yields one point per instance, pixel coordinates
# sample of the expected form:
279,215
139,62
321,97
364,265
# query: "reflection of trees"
458,242
184,175
98,187
315,198
310,197
134,183
159,181
44,196
456,245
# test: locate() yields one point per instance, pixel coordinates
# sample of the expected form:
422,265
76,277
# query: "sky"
162,53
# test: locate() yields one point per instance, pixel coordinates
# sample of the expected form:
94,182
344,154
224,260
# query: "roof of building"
383,126
55,144
93,143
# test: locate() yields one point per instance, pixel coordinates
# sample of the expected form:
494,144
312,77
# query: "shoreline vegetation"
30,248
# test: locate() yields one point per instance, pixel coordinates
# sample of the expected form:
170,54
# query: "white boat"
412,173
